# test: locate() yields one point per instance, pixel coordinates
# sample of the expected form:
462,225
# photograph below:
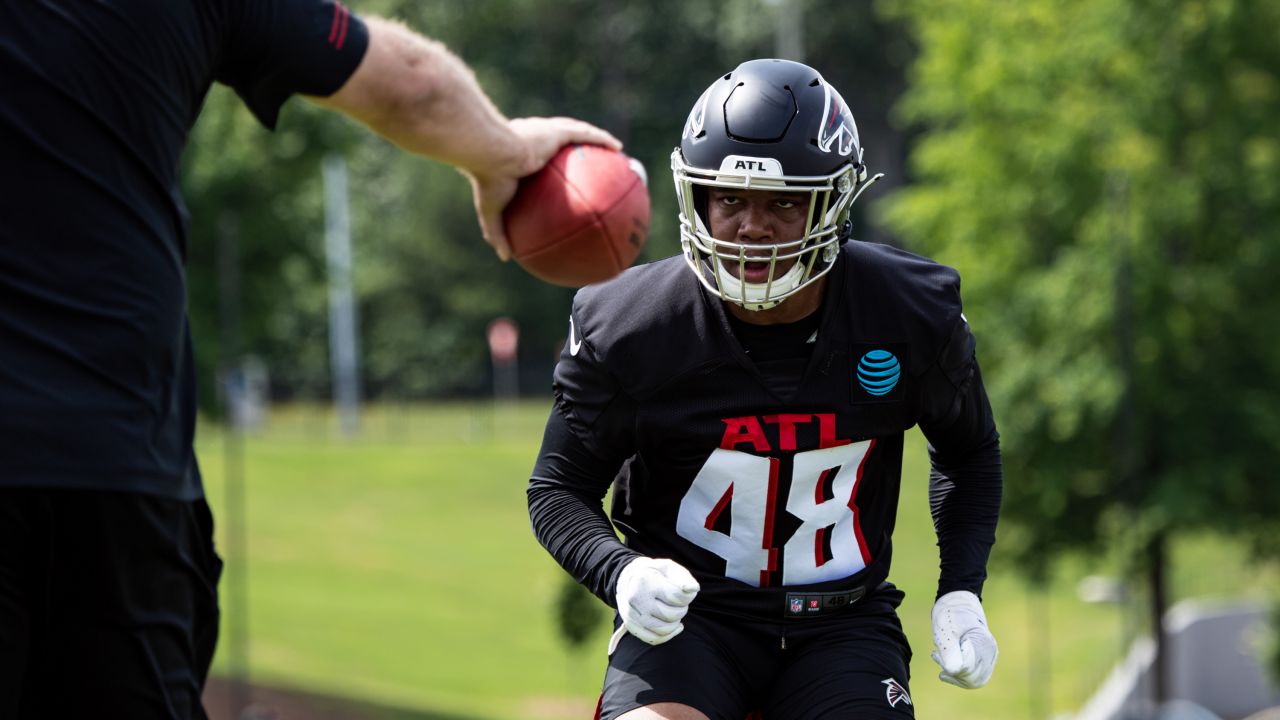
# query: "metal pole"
788,29
344,343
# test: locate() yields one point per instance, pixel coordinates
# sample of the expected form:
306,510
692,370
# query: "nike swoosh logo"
574,344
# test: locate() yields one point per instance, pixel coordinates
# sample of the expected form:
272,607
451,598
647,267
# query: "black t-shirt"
96,374
763,488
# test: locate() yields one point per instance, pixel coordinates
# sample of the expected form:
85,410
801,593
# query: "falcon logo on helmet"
768,125
838,130
693,126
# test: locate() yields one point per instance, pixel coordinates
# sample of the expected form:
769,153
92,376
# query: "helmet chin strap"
752,296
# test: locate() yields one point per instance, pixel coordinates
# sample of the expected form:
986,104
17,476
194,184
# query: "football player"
748,402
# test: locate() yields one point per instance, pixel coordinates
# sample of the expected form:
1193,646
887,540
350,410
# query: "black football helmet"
768,125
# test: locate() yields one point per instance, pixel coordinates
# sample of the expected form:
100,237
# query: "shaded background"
1105,174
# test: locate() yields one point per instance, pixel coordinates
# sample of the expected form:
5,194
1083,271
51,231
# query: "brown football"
581,219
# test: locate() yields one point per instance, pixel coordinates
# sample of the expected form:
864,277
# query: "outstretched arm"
416,93
964,496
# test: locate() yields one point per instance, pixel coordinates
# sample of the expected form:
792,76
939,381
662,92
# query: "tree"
1106,175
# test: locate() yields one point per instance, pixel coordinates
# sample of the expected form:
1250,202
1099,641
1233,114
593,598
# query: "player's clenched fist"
653,597
966,649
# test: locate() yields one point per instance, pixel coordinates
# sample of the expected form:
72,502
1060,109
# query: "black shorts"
850,665
108,605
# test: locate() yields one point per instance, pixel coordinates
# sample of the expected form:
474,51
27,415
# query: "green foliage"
1105,175
579,614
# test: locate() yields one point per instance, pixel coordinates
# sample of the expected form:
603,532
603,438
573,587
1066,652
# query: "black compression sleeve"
566,496
965,486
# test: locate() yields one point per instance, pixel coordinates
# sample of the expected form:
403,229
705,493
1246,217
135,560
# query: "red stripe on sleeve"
337,19
342,34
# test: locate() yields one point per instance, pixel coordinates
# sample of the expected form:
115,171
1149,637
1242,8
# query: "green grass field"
398,567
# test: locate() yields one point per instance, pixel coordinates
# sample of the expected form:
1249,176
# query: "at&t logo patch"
878,372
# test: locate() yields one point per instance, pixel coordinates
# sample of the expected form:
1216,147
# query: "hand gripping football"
581,219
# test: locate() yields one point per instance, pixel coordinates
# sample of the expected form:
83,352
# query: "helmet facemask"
826,227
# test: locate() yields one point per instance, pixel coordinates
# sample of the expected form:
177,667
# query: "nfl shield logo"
797,605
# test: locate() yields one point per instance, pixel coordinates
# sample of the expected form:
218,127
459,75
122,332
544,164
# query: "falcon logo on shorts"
895,693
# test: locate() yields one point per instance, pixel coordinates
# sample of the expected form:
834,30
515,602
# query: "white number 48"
746,486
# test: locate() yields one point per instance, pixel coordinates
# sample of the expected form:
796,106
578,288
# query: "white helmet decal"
837,133
746,165
693,126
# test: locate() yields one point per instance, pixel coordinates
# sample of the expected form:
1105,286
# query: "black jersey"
97,387
774,495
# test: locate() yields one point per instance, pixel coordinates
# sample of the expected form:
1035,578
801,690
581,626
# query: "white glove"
966,650
653,597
